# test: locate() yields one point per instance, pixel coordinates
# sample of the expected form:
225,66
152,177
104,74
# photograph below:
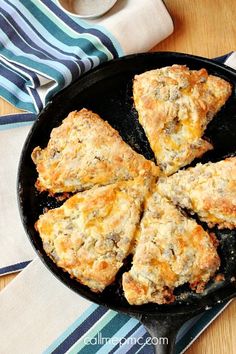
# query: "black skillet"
107,90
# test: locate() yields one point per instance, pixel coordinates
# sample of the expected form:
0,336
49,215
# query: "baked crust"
85,151
174,106
206,189
91,234
171,250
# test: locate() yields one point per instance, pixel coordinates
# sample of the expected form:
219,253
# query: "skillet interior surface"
108,92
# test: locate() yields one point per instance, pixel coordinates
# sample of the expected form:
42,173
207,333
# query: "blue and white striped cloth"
43,49
40,315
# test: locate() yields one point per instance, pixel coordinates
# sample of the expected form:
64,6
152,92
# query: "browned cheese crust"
171,250
85,151
175,105
91,234
208,190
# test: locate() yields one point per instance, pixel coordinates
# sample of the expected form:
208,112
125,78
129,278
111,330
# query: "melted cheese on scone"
171,250
206,189
91,234
174,106
85,151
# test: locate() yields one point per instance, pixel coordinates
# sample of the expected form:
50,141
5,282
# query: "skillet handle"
163,330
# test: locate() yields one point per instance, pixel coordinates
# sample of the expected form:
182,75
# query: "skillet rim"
204,302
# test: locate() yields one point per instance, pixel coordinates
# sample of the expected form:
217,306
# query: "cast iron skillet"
107,90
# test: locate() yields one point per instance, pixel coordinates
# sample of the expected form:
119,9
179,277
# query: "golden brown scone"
174,106
91,234
171,250
208,190
85,151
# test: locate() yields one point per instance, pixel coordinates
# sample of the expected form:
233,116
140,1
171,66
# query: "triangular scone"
208,190
171,250
91,234
85,151
174,106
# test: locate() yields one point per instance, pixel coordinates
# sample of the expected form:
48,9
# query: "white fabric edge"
148,23
231,61
53,308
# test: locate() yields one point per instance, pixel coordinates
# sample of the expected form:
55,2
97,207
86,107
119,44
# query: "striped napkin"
43,49
38,313
41,315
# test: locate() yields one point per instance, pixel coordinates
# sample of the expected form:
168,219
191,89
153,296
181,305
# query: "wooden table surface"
206,28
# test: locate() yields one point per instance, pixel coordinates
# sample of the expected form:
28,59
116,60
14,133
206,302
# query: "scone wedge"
92,233
171,250
85,151
206,189
174,106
